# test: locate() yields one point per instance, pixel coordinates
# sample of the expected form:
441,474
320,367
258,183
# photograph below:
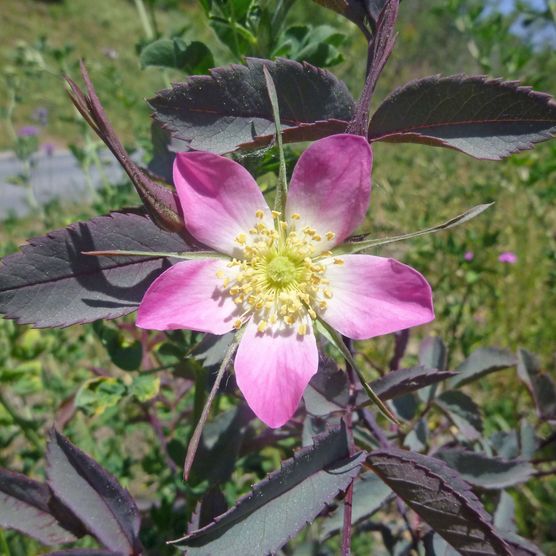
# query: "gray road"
56,176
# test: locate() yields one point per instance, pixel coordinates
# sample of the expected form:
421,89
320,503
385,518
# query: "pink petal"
372,296
273,369
330,186
219,199
188,295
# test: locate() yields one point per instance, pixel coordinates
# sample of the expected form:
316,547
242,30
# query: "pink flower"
508,257
469,256
281,273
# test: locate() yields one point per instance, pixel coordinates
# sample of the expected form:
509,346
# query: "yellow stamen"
330,236
278,278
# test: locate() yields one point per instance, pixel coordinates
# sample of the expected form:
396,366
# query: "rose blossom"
280,272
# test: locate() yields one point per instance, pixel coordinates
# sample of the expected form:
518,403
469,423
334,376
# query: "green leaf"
193,58
145,387
98,394
315,45
280,505
125,355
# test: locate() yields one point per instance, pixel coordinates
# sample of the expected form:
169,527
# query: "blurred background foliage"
88,378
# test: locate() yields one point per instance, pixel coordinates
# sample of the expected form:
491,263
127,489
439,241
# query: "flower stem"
196,437
144,18
282,189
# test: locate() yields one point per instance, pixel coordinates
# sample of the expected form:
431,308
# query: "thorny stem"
196,437
348,420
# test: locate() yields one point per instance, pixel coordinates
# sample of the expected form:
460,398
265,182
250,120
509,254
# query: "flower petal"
272,370
330,187
372,296
189,295
219,199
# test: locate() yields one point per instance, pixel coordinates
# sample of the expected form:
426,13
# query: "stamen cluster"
279,278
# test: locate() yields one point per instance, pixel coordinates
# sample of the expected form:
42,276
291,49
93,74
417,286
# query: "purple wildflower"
28,131
469,255
508,257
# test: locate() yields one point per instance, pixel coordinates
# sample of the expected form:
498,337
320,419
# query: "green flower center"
281,271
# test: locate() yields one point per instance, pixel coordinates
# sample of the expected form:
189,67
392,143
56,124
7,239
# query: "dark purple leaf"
283,503
208,509
230,109
327,391
30,508
396,383
442,499
433,353
504,516
104,507
541,385
485,118
482,362
520,546
51,283
486,472
462,411
219,447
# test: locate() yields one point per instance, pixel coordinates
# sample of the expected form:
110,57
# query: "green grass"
62,33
